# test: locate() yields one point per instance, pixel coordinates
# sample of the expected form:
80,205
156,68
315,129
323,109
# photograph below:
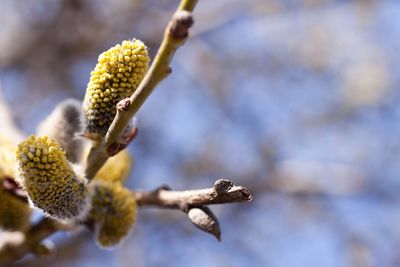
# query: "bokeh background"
296,99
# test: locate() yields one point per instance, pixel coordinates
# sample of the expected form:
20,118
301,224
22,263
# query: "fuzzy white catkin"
63,125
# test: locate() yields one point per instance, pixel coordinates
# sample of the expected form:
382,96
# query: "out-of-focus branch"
35,234
175,35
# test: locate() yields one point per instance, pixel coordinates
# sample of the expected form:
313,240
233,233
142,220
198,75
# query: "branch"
175,35
223,192
192,202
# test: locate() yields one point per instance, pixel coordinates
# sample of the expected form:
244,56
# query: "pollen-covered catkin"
116,169
113,211
51,182
14,212
7,156
116,76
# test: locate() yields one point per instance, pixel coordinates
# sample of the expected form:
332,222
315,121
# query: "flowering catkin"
113,212
50,180
14,212
116,168
116,76
7,156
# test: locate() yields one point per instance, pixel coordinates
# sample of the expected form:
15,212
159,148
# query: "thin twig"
175,35
165,198
194,202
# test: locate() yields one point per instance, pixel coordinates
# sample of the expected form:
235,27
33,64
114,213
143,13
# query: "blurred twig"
35,234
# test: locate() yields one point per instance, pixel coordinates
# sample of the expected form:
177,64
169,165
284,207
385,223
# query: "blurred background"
295,99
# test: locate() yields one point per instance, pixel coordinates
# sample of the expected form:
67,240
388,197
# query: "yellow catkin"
7,156
116,169
14,212
113,212
116,76
49,179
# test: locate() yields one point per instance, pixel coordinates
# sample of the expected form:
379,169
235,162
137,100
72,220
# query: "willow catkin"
14,212
116,76
51,182
7,156
63,126
113,212
116,168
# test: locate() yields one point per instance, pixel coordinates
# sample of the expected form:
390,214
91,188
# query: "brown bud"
180,24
